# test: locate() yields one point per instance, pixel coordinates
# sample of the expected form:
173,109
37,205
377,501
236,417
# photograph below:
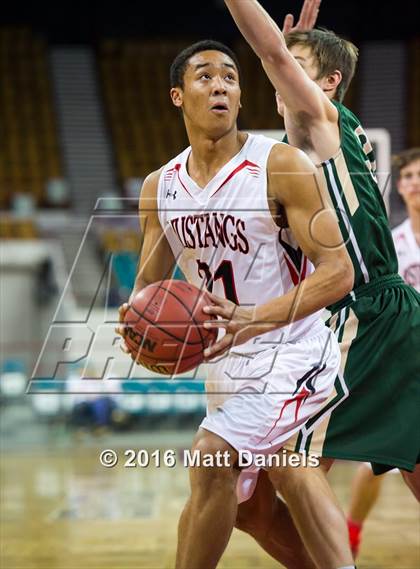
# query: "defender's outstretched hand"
307,18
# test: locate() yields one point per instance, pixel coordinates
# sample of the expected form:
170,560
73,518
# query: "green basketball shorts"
373,413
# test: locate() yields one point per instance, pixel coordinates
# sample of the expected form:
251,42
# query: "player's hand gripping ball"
164,329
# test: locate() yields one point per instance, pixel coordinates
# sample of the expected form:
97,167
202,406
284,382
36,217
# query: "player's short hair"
405,158
179,64
331,52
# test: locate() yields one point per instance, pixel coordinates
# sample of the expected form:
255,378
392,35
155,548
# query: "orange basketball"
164,327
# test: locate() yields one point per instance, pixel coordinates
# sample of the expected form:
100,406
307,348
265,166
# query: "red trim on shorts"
299,399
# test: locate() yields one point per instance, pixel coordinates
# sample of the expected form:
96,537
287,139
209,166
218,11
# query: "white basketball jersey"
408,253
224,236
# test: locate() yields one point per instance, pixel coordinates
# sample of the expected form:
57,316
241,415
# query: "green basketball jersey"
353,188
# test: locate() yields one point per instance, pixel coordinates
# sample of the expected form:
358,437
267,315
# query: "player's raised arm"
301,95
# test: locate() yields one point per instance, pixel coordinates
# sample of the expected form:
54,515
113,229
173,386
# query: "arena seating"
146,130
15,228
29,147
258,110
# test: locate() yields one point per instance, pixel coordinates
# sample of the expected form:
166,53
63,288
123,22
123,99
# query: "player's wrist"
263,319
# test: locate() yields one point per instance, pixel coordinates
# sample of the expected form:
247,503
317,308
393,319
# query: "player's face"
307,61
304,57
409,184
211,95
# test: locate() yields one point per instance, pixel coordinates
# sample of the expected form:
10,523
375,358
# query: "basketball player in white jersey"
407,235
366,486
214,209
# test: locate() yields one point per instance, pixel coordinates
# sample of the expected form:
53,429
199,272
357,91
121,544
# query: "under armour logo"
168,193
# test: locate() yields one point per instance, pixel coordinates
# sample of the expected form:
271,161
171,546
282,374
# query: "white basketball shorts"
257,401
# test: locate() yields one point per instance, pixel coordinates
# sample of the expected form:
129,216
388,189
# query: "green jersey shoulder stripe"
351,182
334,183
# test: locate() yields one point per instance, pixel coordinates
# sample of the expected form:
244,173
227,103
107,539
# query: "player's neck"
209,155
414,216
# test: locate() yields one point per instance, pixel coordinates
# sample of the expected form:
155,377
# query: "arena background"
84,116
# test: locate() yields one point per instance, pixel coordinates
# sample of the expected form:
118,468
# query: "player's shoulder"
286,158
149,189
151,181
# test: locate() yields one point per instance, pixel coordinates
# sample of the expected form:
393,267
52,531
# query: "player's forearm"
258,28
328,284
149,274
139,284
156,261
153,266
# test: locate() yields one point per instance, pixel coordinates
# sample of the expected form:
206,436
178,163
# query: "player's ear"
177,96
330,82
334,79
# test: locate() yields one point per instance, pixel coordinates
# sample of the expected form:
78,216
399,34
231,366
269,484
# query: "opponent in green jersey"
373,413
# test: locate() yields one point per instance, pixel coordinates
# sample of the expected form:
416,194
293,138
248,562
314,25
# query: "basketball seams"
202,293
190,314
154,325
132,345
155,299
173,367
174,363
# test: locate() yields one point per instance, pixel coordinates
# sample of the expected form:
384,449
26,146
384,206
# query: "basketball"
165,332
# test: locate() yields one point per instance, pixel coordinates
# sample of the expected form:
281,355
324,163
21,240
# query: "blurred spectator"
407,235
46,286
58,192
92,403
